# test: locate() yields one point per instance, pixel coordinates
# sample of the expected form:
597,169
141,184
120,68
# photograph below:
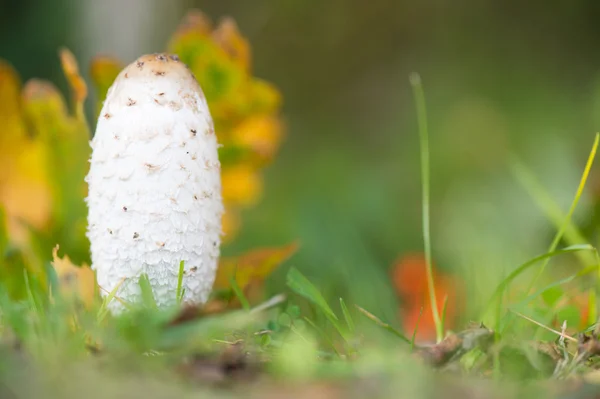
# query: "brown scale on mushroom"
159,65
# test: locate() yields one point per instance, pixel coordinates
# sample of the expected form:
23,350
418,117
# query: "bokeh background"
502,79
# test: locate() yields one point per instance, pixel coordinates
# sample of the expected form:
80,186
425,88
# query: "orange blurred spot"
409,278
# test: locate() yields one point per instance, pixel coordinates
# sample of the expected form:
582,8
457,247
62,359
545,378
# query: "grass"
415,81
304,340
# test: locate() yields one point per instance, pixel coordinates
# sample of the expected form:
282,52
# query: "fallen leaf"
252,266
409,278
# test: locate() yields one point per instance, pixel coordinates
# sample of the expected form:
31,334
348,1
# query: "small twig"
561,334
276,300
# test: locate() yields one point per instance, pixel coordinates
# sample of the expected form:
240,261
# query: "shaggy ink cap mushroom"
154,195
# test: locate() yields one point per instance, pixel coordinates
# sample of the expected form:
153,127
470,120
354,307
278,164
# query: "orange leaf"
78,86
252,266
410,281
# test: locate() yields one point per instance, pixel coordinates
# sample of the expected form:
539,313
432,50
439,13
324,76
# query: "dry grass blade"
537,323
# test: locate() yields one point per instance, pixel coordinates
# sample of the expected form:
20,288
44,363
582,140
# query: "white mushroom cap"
154,184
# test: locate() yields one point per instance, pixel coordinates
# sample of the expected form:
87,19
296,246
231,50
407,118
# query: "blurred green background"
501,78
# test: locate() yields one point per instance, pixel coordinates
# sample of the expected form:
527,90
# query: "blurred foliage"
43,160
44,154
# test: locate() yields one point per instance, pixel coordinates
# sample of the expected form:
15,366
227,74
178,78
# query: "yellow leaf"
241,185
261,134
231,223
228,37
252,266
74,281
78,86
24,191
66,142
10,111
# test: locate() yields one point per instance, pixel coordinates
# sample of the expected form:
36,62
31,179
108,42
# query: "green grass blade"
239,293
521,305
347,316
568,279
444,307
417,86
147,293
303,287
567,220
382,324
551,209
414,334
30,296
103,311
179,292
527,265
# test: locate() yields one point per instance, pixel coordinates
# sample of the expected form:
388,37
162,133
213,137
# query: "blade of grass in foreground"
567,220
107,300
303,287
147,293
417,86
179,293
347,316
414,335
383,324
522,305
526,266
551,209
239,293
